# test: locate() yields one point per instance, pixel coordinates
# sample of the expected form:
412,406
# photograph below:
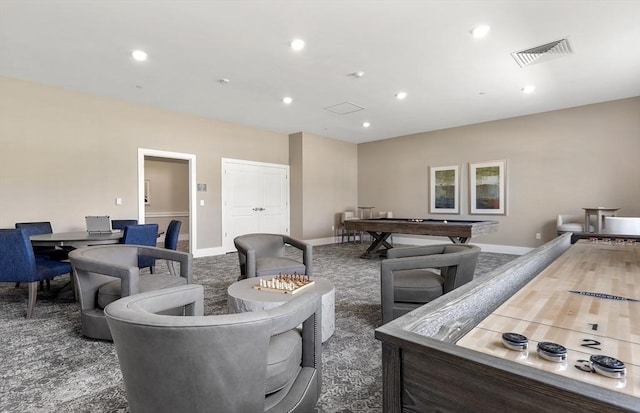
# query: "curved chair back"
463,272
263,254
407,280
173,232
573,223
197,363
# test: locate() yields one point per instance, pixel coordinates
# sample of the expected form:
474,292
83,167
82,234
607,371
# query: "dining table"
73,240
76,239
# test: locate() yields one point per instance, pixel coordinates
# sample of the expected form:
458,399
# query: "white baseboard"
501,249
504,249
208,252
181,237
323,241
409,240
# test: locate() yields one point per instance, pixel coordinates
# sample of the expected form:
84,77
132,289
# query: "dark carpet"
47,366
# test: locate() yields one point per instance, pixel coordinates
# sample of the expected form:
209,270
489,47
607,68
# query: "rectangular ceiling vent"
543,53
344,108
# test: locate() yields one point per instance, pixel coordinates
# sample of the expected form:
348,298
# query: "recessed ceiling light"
528,89
357,74
224,81
287,100
139,55
480,31
366,124
401,95
297,44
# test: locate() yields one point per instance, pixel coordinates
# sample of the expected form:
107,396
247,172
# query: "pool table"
458,231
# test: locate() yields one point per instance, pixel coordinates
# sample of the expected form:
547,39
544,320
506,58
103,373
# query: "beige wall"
295,185
558,162
66,155
329,175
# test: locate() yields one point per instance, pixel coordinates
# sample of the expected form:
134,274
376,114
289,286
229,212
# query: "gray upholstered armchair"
105,273
263,254
247,362
413,276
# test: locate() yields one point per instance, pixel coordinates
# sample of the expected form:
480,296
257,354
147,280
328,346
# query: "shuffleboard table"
588,303
458,231
576,307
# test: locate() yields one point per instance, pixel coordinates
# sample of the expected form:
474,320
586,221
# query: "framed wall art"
487,187
444,190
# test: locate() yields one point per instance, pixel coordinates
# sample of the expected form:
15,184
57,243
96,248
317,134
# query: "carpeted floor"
46,366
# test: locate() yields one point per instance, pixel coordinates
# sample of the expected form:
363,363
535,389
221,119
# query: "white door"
255,198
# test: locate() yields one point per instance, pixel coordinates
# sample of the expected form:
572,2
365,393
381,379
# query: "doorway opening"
172,163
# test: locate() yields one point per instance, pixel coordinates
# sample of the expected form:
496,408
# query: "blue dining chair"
142,234
37,228
171,240
173,232
18,264
121,223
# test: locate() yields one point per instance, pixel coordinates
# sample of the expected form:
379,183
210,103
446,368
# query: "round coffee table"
243,297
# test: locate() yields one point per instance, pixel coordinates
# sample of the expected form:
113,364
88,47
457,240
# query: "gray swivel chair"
105,273
572,223
263,254
413,276
247,362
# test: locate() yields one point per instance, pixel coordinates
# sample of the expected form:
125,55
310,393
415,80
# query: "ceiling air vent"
543,53
344,108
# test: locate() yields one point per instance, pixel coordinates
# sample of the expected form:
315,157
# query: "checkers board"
588,301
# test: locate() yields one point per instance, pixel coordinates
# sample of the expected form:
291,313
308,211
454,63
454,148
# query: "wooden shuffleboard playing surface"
588,301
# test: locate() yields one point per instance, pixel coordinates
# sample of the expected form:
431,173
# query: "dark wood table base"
380,229
379,245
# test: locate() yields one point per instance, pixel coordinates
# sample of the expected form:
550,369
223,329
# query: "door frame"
191,158
227,243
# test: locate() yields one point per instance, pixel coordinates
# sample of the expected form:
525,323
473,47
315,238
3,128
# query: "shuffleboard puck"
608,366
552,351
515,341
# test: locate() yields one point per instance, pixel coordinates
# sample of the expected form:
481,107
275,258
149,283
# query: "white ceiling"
421,47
